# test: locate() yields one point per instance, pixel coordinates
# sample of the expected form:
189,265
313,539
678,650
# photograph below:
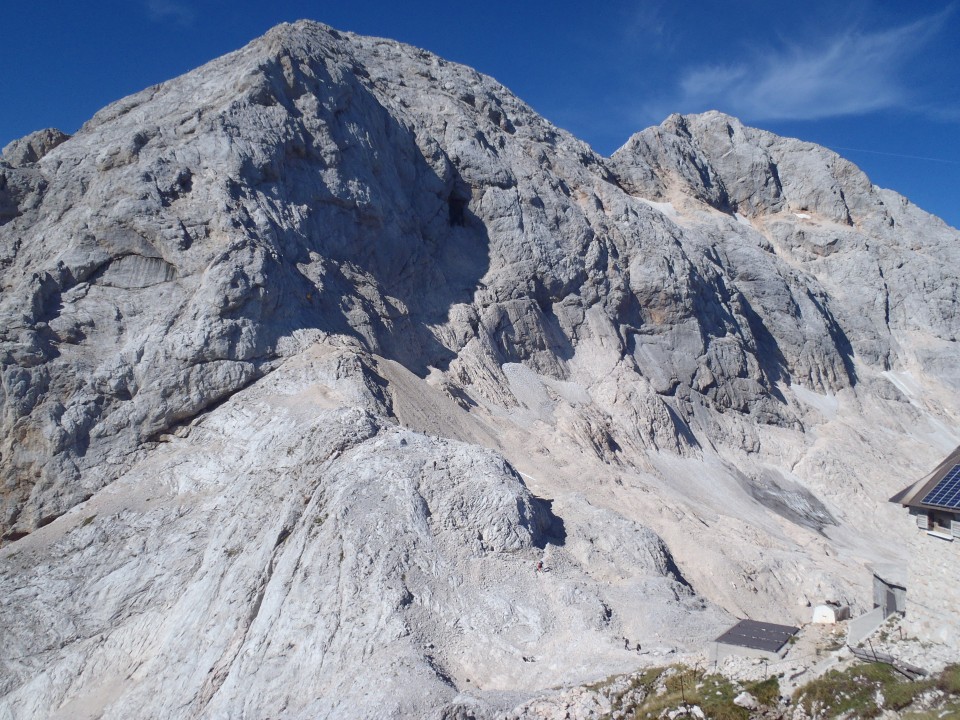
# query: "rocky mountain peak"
311,355
718,160
28,150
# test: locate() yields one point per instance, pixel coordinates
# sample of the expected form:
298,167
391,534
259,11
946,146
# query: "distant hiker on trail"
539,569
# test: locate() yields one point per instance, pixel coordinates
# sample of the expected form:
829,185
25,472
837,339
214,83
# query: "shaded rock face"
711,294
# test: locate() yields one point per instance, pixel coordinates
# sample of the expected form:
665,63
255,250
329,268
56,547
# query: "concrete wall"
862,627
933,590
889,596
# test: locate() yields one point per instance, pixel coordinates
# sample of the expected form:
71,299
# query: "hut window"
941,523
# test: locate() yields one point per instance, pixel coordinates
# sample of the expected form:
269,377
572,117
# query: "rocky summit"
336,382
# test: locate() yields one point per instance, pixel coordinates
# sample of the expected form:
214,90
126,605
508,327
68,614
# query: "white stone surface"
830,614
230,299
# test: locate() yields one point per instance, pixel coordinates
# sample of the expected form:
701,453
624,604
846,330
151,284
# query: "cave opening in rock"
458,210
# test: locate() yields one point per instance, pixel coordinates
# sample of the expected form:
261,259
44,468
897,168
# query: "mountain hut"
935,499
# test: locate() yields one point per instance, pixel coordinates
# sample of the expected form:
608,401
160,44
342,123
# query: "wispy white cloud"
645,19
846,74
164,10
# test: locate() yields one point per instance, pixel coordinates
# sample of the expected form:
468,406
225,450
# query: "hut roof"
937,491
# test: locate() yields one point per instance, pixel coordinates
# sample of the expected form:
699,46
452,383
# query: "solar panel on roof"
758,635
946,493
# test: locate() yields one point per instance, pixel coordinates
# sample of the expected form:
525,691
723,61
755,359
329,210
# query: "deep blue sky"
876,80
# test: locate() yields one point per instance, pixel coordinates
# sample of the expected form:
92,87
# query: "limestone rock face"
876,278
354,567
28,150
310,356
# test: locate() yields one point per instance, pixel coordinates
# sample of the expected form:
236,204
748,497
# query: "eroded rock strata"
312,354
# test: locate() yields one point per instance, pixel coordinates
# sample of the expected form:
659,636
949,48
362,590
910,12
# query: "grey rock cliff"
354,567
28,150
823,215
715,351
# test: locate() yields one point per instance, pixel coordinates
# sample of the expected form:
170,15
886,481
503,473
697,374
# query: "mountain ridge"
693,372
